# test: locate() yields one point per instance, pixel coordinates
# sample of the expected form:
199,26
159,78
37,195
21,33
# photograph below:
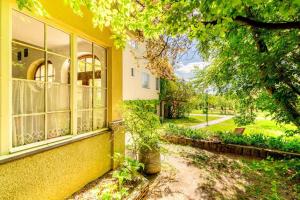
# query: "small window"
157,81
145,80
132,71
40,72
133,44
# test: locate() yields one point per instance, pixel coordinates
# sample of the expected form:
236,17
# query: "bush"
283,143
142,122
173,129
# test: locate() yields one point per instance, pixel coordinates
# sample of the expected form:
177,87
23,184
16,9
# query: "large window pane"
58,124
100,56
84,97
27,30
28,97
58,41
99,119
58,96
84,47
84,121
60,68
29,129
26,61
100,97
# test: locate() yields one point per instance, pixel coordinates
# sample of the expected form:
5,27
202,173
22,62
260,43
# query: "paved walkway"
212,122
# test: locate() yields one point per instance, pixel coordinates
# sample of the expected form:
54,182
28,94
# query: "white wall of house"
135,74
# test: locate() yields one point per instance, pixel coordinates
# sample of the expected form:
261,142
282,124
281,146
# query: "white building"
138,82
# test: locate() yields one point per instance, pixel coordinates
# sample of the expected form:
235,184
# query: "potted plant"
142,123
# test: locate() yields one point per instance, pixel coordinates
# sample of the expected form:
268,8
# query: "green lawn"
265,126
190,121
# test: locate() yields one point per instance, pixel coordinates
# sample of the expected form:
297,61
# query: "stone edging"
140,191
230,148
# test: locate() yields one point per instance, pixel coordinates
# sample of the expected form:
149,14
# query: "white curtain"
85,109
29,111
58,103
28,98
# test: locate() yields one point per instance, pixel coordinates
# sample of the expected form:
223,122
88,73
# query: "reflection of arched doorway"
85,69
40,74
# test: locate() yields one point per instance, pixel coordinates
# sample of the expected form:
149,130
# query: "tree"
253,45
178,96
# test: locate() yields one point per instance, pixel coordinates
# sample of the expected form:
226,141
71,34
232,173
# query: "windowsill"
31,149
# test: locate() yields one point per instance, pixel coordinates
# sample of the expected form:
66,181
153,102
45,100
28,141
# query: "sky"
186,64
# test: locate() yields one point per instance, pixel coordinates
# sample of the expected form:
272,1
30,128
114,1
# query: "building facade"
138,82
60,90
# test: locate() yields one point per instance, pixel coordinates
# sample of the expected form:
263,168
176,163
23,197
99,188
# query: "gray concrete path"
212,122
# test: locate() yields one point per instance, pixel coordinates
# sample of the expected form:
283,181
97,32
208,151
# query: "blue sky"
188,62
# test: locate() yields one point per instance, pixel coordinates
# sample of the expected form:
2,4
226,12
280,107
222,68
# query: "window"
145,80
41,83
132,71
41,90
92,89
157,83
40,72
133,44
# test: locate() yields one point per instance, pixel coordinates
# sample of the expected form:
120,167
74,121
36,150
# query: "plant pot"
151,161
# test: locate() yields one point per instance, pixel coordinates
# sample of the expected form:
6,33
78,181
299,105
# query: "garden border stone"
220,147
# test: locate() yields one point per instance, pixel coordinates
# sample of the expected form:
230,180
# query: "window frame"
73,84
146,74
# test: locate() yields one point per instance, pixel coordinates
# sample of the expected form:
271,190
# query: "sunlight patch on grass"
264,126
190,121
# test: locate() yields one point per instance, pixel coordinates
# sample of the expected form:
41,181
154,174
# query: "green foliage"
274,172
290,144
173,129
126,174
178,96
142,122
284,143
32,5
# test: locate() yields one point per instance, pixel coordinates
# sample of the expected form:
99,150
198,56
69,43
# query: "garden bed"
95,189
218,146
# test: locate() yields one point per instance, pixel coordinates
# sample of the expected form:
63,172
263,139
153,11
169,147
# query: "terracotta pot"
151,161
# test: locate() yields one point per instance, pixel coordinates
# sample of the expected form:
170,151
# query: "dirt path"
182,179
212,122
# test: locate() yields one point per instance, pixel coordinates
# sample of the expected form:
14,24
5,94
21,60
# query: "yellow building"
60,90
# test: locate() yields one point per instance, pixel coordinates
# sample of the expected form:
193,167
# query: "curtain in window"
58,104
28,111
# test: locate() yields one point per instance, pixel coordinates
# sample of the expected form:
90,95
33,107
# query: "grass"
190,121
264,126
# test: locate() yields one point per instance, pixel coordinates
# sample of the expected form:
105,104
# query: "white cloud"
188,68
186,71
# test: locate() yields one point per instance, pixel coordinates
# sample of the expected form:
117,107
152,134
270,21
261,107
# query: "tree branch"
259,24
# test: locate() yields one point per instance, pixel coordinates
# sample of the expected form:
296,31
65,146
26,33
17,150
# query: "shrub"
142,122
173,129
284,143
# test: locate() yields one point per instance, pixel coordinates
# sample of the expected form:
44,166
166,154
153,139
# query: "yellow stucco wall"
57,173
